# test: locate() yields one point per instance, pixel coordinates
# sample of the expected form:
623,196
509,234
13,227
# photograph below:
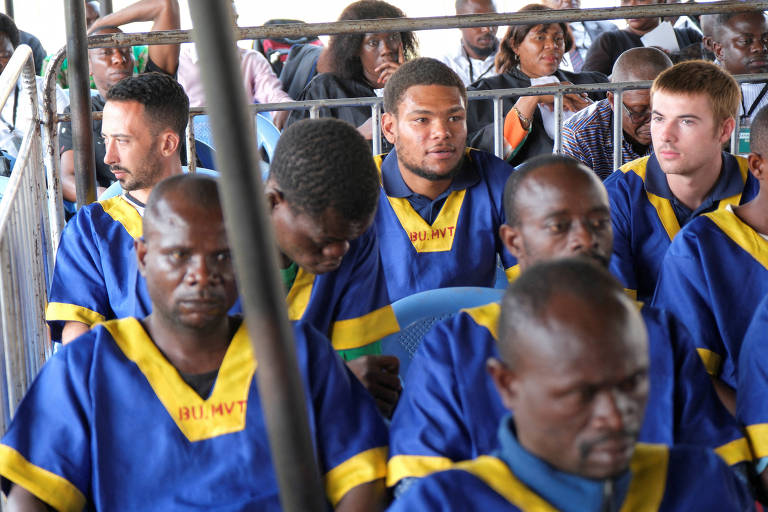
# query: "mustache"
625,435
118,168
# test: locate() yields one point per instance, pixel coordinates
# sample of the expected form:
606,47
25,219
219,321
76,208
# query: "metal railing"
26,250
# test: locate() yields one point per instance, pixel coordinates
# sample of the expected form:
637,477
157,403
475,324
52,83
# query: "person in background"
474,56
607,48
38,52
361,65
588,136
583,32
528,55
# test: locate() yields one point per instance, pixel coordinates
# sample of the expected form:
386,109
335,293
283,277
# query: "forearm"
369,497
164,14
21,500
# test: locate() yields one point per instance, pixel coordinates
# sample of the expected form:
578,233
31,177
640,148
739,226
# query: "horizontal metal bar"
434,23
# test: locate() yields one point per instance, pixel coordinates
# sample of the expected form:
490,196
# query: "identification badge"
743,145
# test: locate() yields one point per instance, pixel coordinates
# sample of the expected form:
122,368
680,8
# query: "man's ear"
726,129
141,253
756,165
273,194
169,142
511,238
389,127
717,49
505,381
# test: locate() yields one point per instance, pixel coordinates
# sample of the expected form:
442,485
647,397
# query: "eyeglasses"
637,117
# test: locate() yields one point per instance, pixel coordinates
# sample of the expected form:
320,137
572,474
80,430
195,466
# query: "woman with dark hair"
360,65
529,55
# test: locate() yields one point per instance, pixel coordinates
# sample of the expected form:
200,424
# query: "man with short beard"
474,57
440,206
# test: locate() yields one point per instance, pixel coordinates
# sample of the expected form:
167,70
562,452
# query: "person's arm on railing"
165,16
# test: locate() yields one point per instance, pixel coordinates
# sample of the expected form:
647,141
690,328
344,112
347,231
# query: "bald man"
171,400
555,208
588,136
573,367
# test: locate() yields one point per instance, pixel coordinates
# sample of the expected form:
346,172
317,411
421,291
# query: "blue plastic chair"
267,133
417,313
205,154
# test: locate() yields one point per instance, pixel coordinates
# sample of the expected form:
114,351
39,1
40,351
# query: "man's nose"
609,410
336,250
582,237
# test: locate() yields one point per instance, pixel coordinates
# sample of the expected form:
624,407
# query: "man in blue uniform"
573,366
694,106
716,272
440,206
555,208
163,412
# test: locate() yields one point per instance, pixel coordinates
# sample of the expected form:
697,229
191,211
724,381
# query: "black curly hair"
164,100
421,71
325,163
8,27
345,48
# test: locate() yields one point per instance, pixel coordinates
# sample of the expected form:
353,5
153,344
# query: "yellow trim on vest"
496,474
364,330
734,452
49,487
62,312
405,466
223,412
512,272
437,237
632,294
649,478
662,206
758,438
487,316
299,294
124,213
736,199
711,361
360,469
743,235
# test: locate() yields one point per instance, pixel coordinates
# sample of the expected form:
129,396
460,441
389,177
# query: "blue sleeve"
752,398
363,313
351,436
428,429
453,490
78,291
46,449
701,418
622,261
682,290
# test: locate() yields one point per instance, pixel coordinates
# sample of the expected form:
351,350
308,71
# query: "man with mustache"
110,65
588,136
171,400
476,53
440,206
694,110
556,208
572,368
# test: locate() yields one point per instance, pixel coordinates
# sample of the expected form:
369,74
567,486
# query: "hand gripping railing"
26,250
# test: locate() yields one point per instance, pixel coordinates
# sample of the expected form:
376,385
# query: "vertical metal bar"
314,112
80,102
106,7
498,128
52,162
191,150
558,148
252,241
735,138
9,8
618,132
376,128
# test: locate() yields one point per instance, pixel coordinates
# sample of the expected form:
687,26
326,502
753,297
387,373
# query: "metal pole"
498,128
376,128
9,8
80,102
250,235
296,30
558,146
618,133
106,7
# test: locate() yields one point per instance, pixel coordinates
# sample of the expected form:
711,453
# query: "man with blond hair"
694,106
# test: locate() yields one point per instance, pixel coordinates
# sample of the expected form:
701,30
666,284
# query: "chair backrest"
417,313
205,154
267,133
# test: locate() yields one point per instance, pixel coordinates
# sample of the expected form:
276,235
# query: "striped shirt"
588,137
